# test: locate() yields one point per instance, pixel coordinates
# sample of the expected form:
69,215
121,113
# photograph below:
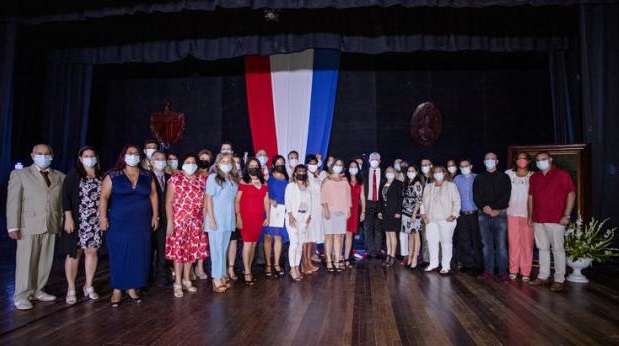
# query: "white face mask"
173,164
390,176
330,163
337,169
132,160
439,176
160,165
490,164
226,151
353,171
319,163
263,159
43,161
543,165
226,168
411,175
89,162
374,164
465,170
397,167
190,168
425,169
149,153
452,169
293,163
312,168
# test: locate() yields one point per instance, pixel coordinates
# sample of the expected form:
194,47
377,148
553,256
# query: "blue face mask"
43,161
490,164
543,165
132,160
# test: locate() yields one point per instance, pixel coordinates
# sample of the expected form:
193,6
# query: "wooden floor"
367,305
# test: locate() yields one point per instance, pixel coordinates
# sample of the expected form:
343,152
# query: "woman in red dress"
185,242
355,180
252,212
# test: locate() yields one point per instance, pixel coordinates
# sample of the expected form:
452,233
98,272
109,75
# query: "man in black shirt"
491,193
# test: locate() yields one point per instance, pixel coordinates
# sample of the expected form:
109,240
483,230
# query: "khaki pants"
35,255
550,235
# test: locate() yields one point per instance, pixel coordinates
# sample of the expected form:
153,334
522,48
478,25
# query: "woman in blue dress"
128,209
275,236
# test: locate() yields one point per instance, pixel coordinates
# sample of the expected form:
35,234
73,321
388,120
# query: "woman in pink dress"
185,241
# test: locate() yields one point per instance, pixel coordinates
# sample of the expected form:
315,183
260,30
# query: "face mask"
293,163
89,162
452,169
226,151
390,176
397,167
173,164
149,153
353,171
490,164
263,160
439,176
411,175
226,168
330,163
43,161
319,163
254,171
337,169
160,165
465,170
238,166
132,160
204,164
521,163
374,164
425,169
190,168
543,165
302,177
312,168
280,168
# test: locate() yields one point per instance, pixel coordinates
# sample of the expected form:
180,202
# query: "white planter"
577,266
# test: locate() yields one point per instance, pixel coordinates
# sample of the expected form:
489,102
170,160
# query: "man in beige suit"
34,214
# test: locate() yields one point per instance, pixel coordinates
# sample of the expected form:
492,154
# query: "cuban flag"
291,98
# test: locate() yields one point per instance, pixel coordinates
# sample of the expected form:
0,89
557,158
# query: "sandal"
90,293
347,264
267,272
178,291
189,287
251,280
218,288
279,272
116,303
232,274
338,267
136,300
330,268
71,297
296,278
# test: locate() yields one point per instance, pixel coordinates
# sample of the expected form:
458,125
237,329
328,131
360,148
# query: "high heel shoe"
178,291
218,288
137,299
116,302
71,297
232,274
338,267
267,272
330,267
189,287
249,279
279,272
227,282
296,278
90,293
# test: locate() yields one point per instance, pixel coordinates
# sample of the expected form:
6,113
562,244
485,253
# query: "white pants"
404,244
549,235
297,236
440,232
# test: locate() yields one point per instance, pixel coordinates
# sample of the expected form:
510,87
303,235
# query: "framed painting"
575,159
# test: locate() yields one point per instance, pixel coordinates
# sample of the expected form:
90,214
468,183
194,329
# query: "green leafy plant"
590,240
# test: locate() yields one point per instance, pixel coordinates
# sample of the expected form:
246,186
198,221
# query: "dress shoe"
23,305
557,287
539,282
44,297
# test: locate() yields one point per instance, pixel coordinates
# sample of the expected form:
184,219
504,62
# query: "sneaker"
444,272
526,279
44,297
486,276
539,282
557,287
513,277
23,305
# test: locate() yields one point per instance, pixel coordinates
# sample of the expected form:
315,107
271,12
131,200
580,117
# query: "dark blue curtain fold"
599,40
7,62
563,82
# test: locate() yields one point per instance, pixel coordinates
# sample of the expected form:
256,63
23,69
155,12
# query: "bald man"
34,214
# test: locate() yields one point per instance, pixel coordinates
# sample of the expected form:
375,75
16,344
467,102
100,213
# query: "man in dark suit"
160,274
373,178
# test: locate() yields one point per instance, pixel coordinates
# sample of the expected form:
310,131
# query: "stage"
367,305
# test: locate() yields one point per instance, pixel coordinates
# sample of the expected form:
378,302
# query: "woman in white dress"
298,202
315,231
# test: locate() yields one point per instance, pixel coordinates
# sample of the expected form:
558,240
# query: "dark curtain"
7,57
565,95
599,36
66,107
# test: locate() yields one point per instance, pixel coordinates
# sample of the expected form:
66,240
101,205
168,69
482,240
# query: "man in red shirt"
551,200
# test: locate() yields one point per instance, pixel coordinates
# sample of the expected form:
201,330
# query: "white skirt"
336,224
315,230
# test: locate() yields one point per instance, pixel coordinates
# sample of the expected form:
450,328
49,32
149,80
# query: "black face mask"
280,168
204,164
302,177
253,171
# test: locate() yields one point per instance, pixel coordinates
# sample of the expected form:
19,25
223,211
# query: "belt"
301,211
468,212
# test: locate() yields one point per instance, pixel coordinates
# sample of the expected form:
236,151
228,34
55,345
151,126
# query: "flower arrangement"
594,241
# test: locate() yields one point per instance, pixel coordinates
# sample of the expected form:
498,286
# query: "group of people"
163,215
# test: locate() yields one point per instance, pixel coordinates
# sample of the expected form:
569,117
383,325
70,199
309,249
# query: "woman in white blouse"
298,200
441,208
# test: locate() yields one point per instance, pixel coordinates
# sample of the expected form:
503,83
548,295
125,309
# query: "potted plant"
587,243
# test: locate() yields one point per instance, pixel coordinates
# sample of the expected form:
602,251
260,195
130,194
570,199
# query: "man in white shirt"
373,236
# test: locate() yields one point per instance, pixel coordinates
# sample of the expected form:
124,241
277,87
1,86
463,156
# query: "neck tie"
162,182
374,199
46,177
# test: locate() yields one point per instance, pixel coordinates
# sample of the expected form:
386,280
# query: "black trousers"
469,243
372,234
159,273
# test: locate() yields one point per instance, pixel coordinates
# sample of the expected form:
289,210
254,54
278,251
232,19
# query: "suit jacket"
161,200
393,203
32,207
366,182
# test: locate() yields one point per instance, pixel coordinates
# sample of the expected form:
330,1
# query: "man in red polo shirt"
551,200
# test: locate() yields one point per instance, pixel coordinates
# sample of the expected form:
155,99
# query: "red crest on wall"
168,126
426,124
